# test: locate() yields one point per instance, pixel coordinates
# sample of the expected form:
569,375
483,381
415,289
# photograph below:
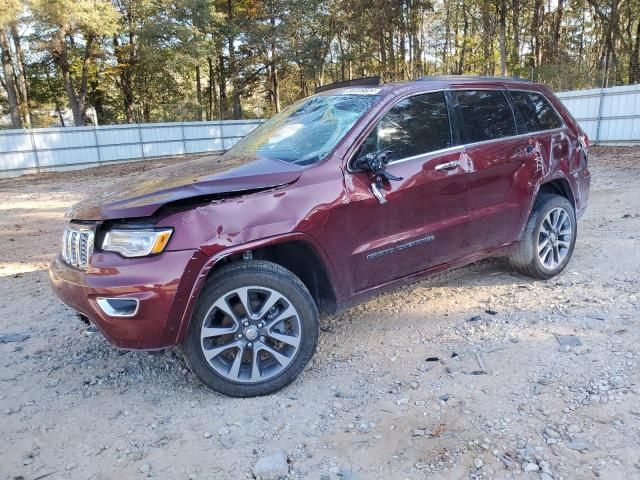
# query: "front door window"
414,126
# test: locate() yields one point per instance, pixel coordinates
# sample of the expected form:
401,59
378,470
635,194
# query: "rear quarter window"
536,111
484,115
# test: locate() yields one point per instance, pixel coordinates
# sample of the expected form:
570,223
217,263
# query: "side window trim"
563,124
521,127
455,121
371,126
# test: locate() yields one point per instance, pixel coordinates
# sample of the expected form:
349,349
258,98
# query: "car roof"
374,85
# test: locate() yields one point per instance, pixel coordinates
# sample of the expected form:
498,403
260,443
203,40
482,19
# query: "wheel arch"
558,186
296,252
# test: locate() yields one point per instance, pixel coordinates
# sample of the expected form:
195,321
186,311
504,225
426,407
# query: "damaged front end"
208,178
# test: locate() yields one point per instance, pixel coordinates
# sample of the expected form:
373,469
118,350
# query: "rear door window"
483,115
414,126
536,111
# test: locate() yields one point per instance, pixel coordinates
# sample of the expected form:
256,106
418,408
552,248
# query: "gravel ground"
464,375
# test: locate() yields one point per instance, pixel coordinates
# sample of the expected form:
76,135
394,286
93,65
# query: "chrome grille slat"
77,246
74,252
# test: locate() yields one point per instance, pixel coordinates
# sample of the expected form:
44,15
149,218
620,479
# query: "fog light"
119,307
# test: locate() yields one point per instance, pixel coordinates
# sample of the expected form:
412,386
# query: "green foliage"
164,60
9,11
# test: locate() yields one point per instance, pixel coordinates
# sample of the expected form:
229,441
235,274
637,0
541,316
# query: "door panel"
498,187
422,224
497,179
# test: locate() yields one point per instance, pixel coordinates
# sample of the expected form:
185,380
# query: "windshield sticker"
359,91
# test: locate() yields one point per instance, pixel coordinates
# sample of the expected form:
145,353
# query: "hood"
142,195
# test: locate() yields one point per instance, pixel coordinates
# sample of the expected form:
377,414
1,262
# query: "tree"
73,32
9,11
149,60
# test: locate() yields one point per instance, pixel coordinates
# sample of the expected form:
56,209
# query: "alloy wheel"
554,238
250,334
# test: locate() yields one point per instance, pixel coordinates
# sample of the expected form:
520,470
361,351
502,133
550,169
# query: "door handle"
448,165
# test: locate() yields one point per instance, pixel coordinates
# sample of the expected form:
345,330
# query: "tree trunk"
515,26
403,56
465,43
222,84
447,34
417,45
55,98
555,50
634,62
213,97
21,77
199,92
341,47
82,97
233,74
502,39
125,82
383,54
237,104
275,84
536,27
61,60
7,70
487,43
276,88
392,56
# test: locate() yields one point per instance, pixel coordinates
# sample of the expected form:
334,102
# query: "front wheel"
548,240
253,330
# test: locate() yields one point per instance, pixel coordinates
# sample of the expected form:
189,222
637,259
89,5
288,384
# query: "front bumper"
161,284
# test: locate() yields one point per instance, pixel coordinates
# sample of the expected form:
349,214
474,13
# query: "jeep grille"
77,246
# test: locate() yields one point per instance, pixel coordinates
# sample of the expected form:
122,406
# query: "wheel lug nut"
260,325
239,335
262,339
246,324
249,344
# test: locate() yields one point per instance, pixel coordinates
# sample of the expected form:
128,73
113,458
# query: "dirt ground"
458,376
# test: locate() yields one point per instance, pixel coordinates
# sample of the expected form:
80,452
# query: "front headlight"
136,243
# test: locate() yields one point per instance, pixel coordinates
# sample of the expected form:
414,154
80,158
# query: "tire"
525,258
276,343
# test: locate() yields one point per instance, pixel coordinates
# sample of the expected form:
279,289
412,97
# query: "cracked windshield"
308,130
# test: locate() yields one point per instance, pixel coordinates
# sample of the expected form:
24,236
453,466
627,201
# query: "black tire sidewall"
264,274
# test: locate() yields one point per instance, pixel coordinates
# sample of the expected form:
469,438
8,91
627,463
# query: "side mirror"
376,164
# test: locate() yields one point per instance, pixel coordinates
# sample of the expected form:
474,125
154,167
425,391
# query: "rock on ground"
271,467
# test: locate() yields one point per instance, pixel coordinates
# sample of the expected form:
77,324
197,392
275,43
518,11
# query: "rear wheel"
254,329
549,238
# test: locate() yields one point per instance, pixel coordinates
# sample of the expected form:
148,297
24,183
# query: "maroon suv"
355,190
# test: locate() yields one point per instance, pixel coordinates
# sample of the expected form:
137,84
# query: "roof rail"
470,77
357,82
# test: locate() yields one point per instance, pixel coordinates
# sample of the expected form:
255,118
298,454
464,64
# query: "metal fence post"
184,140
35,150
600,104
95,138
141,142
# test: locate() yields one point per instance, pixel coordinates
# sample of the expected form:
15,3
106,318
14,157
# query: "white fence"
607,115
41,149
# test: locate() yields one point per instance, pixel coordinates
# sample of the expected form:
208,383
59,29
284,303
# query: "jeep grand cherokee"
350,192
